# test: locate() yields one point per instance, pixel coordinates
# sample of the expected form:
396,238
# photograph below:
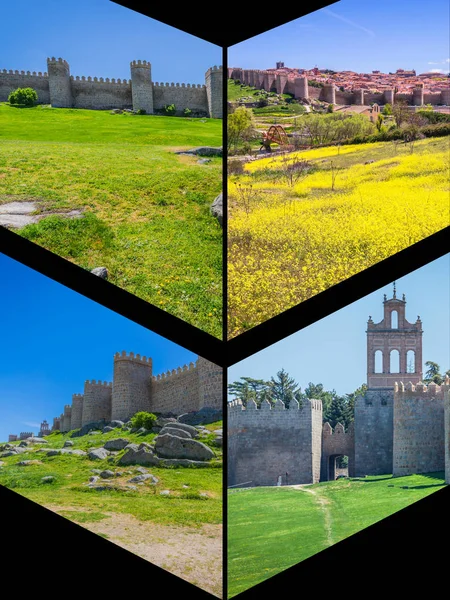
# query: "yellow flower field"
287,243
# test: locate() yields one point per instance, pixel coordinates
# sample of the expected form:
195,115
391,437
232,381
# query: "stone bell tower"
394,334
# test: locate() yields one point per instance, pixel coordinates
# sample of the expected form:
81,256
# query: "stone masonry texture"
401,426
134,388
62,90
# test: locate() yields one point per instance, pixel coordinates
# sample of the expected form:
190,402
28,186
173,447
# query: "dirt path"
323,503
190,553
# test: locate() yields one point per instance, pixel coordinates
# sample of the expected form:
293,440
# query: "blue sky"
333,350
53,339
356,35
99,38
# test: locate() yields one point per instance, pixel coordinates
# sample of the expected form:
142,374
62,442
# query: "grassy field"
271,529
354,206
145,209
184,506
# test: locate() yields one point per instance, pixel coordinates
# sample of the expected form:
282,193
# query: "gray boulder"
23,444
144,477
89,427
36,440
107,474
176,431
144,456
67,443
73,452
170,446
48,479
193,432
132,446
107,429
98,454
217,209
161,421
204,416
116,444
117,423
101,272
208,151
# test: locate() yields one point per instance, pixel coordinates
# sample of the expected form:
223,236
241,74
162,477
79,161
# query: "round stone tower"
61,422
142,86
359,97
445,96
389,96
132,387
60,88
210,384
56,424
96,401
329,93
301,88
77,411
418,95
67,417
214,87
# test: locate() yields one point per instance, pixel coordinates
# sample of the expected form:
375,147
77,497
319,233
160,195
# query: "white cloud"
28,424
352,23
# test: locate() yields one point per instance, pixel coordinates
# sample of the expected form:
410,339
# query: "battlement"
59,61
179,85
141,64
77,396
432,390
339,429
214,69
89,79
25,434
175,372
99,383
237,406
60,89
132,357
29,73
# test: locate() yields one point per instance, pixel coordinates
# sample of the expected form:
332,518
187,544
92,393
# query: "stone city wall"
419,428
266,443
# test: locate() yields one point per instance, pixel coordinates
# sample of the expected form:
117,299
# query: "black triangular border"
58,554
238,24
338,296
111,296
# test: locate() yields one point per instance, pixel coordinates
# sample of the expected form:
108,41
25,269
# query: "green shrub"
143,419
23,97
187,112
434,117
170,109
141,111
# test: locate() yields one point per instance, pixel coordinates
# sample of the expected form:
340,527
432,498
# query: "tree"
240,126
433,374
283,387
336,412
387,110
379,123
412,130
23,97
401,112
241,390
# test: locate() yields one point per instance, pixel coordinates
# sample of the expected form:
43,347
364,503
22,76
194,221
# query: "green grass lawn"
146,211
271,529
184,506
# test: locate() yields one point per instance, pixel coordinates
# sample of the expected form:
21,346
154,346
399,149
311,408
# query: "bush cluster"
23,97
